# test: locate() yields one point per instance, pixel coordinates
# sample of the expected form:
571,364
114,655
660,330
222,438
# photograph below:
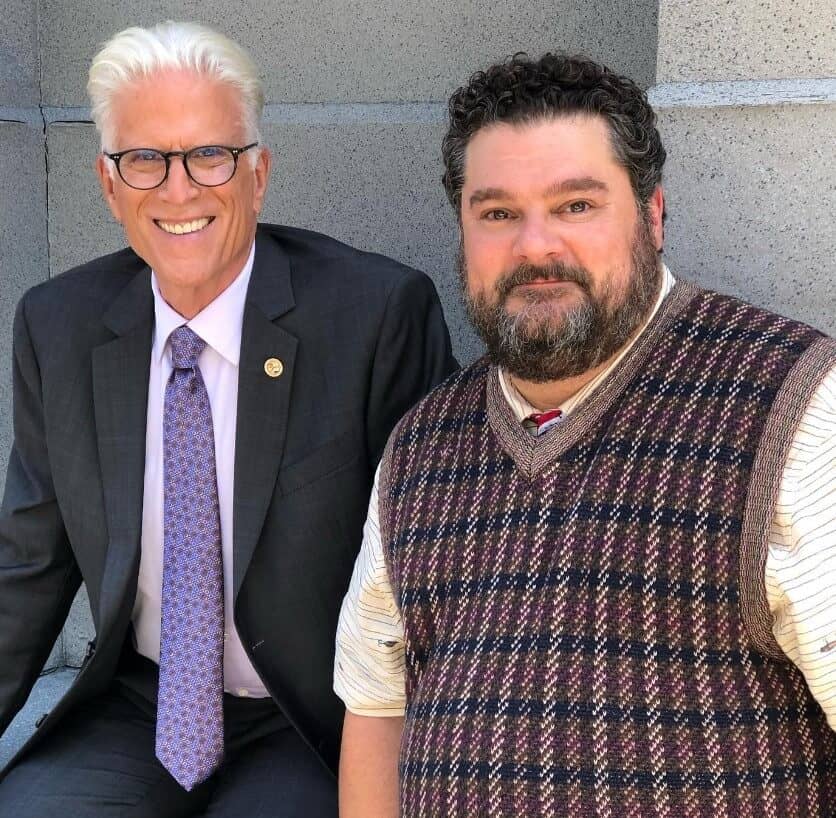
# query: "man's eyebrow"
580,184
488,193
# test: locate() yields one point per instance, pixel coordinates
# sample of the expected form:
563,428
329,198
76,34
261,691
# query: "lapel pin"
273,367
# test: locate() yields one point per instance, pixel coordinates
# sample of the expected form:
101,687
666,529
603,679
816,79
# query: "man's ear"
261,174
107,181
656,215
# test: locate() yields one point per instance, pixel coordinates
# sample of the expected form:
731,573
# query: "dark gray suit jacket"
361,339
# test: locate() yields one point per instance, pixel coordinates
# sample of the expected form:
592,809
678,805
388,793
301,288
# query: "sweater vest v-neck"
586,626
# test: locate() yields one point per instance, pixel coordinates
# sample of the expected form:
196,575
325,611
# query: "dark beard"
534,346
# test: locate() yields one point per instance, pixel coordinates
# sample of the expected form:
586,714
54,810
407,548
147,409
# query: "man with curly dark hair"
596,577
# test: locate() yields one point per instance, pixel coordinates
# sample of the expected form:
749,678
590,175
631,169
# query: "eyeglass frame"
166,155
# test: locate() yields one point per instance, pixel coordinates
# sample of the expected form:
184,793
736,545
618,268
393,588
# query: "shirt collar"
522,408
219,323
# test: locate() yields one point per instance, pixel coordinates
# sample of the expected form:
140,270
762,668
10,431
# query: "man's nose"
178,186
538,240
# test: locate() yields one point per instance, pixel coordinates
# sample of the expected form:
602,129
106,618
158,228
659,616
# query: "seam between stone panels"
312,113
743,93
43,123
67,115
21,116
673,94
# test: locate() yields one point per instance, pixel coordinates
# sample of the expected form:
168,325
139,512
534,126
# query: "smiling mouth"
183,228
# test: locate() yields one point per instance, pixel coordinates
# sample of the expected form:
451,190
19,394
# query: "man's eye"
144,156
578,207
497,215
208,152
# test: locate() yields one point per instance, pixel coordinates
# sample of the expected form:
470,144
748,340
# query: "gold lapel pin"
273,367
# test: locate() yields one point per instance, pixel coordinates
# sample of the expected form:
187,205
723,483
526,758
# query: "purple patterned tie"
190,732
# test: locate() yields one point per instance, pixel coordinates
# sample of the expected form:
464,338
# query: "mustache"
556,271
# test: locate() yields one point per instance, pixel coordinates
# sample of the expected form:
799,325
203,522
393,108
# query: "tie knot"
186,347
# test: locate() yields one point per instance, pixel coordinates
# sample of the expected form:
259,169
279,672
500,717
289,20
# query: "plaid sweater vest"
586,626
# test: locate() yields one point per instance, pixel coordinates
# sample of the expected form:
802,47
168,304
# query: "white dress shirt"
219,325
800,573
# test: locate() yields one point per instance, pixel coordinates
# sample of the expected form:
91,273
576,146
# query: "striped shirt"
800,572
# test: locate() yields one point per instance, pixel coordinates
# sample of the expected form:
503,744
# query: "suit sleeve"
413,355
38,574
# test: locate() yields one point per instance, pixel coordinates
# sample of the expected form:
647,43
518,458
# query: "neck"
189,303
553,394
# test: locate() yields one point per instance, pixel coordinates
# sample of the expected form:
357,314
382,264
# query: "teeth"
180,228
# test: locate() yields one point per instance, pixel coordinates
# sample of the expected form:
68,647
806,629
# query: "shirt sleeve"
369,663
801,561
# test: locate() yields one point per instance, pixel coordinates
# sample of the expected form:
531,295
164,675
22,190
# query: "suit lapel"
120,395
263,401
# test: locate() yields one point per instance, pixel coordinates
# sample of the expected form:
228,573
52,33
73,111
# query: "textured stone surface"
19,54
757,39
750,195
56,655
80,224
23,247
47,691
333,50
78,630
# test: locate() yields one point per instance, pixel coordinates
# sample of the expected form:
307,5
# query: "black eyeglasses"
147,168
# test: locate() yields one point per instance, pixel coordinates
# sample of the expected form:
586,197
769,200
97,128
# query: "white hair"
141,52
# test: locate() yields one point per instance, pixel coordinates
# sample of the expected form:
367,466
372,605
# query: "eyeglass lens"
210,165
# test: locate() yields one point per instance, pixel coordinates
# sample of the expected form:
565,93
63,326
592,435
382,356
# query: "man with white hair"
197,423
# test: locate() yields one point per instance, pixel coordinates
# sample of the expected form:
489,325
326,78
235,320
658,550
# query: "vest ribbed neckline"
532,454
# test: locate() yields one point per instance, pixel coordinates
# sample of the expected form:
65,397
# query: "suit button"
41,719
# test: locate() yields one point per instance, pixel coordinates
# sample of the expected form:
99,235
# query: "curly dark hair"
522,90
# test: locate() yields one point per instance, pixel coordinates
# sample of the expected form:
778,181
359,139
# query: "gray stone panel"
750,196
19,53
80,224
768,39
23,247
337,51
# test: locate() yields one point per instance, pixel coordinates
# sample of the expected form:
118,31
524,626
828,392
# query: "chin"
547,311
181,281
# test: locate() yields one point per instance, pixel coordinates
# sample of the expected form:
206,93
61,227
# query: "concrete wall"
355,114
746,94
